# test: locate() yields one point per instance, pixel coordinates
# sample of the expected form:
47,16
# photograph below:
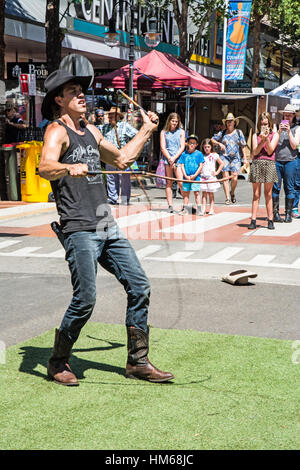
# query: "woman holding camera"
263,168
286,162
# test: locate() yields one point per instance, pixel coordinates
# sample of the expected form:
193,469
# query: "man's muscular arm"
56,142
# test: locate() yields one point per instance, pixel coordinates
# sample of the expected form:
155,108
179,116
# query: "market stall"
208,110
157,70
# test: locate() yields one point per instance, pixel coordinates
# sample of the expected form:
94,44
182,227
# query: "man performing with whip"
71,161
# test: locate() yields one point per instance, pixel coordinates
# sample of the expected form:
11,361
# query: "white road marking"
296,263
141,218
148,250
28,250
262,260
235,262
281,230
23,209
31,221
180,255
206,223
7,243
223,257
225,254
54,254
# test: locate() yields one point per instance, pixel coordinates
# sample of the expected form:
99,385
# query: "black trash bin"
12,176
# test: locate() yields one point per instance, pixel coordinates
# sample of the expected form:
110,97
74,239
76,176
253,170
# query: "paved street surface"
184,256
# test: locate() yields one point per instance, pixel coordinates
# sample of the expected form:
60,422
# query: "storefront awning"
223,96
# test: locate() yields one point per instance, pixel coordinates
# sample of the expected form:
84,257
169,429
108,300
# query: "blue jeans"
84,250
113,186
297,184
286,171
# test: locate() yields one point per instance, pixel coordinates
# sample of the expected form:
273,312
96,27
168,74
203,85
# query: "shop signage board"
32,84
239,86
236,39
39,69
99,12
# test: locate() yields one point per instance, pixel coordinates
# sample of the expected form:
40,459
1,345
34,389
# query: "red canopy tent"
157,70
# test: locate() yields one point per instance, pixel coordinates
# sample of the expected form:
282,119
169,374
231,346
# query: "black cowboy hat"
53,82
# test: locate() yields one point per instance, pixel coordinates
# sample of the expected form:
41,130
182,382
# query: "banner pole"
187,111
224,46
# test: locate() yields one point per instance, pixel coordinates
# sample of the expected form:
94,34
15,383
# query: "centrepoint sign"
99,11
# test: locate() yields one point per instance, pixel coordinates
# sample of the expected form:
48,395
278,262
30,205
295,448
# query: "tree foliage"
285,17
282,15
54,35
187,12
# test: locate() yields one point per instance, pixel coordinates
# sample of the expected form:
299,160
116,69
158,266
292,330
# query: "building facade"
84,24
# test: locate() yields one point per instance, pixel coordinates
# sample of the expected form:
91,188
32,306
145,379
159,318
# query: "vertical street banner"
236,39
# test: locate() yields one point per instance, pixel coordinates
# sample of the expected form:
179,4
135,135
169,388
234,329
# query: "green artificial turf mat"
229,392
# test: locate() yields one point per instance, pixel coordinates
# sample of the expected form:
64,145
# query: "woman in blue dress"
172,144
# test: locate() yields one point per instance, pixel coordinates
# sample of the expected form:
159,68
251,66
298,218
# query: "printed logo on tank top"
91,157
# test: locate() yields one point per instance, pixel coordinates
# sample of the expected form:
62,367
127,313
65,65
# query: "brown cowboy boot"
58,367
138,366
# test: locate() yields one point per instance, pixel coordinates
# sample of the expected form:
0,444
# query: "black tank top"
82,202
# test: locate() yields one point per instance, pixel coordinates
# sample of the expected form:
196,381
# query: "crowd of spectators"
274,161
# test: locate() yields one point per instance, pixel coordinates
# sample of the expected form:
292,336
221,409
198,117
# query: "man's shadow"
34,356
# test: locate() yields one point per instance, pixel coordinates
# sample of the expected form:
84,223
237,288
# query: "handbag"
161,172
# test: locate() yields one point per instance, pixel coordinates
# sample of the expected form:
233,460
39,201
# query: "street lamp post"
131,48
152,37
